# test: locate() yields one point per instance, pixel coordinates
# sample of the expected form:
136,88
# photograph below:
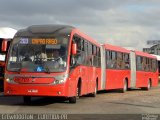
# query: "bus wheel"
125,87
95,92
74,98
26,99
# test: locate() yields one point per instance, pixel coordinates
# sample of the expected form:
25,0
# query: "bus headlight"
58,82
60,79
9,80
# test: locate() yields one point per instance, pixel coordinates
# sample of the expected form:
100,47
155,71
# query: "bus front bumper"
35,90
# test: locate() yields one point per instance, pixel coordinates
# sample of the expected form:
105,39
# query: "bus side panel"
144,77
91,75
98,76
122,75
86,76
141,79
110,79
78,74
155,79
115,78
148,76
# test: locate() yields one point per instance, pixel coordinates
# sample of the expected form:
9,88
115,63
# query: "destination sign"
44,41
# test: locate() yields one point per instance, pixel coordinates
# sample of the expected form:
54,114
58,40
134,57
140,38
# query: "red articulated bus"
59,60
116,68
53,60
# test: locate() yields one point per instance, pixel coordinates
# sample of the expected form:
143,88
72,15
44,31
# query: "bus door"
88,68
81,60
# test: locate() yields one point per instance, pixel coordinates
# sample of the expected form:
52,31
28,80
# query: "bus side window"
77,58
108,59
139,62
95,56
113,59
86,52
89,57
126,60
147,64
150,65
144,64
119,60
154,65
99,57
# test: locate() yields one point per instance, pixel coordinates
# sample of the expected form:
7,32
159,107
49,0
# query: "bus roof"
51,29
7,33
140,53
116,48
43,29
86,36
157,56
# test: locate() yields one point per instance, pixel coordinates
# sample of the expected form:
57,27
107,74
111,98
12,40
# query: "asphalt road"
106,102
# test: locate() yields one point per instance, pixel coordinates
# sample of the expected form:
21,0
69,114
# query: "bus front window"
38,54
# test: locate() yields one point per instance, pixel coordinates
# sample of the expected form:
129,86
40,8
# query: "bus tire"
26,99
73,99
125,87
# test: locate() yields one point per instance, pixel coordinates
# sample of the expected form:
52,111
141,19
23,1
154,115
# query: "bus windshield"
38,54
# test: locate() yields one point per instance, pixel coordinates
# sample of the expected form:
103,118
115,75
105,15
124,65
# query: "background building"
154,47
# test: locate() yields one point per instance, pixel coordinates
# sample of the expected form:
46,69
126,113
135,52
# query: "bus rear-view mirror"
4,45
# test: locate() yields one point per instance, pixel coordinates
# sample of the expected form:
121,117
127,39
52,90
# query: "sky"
126,23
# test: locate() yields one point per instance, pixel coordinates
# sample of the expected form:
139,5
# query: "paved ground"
110,102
